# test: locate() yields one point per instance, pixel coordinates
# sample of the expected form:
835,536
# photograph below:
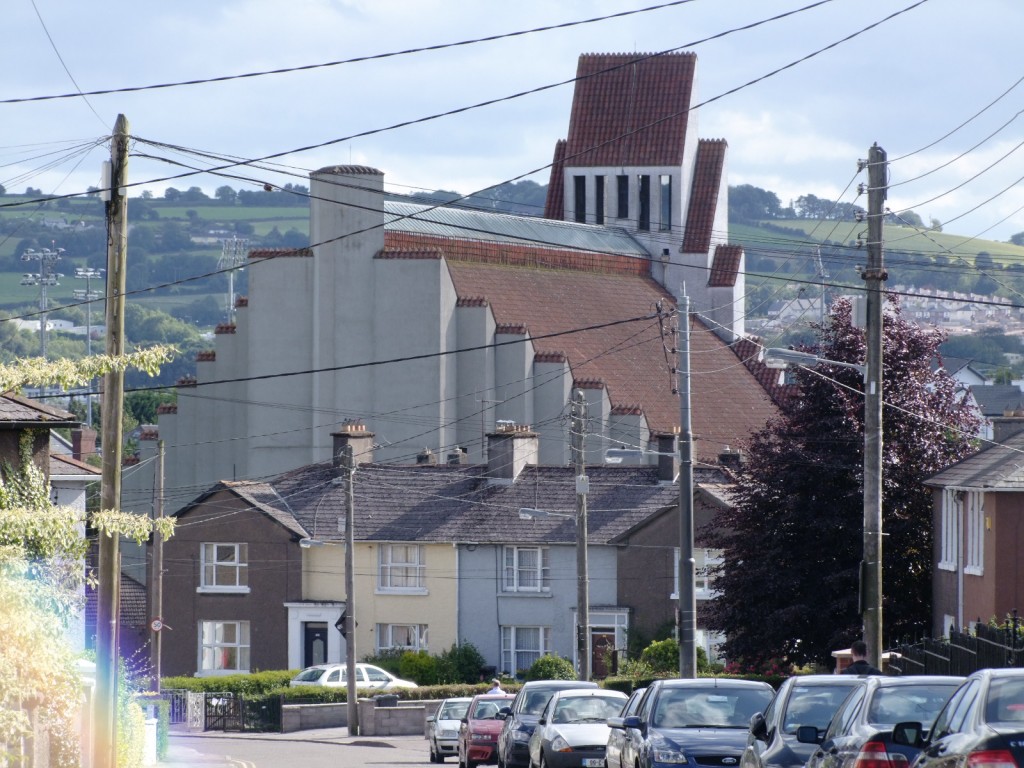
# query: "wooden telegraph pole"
112,404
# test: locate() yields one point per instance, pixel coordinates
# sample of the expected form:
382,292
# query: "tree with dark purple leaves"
792,544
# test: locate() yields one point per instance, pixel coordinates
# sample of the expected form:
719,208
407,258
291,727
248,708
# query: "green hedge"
163,720
255,683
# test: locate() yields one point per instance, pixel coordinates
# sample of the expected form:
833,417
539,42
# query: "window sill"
222,590
383,591
221,672
946,566
545,594
974,570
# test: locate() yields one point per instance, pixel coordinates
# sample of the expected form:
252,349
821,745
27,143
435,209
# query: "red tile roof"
206,355
748,351
554,205
630,109
276,253
550,291
707,179
223,328
725,267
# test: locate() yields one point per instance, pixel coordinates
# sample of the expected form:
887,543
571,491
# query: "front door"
602,646
314,643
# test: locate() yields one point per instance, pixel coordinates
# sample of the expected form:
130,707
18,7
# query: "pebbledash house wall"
274,575
481,596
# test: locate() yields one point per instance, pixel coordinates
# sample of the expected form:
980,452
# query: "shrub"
551,667
255,683
418,666
390,659
662,655
460,664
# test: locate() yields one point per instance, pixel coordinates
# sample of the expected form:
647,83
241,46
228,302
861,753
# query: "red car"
478,734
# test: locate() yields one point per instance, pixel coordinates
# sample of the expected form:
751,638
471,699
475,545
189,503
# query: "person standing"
860,665
495,686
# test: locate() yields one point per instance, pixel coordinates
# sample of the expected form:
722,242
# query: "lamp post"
46,276
349,617
582,579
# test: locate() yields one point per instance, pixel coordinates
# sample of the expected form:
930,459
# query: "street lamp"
582,572
870,587
46,276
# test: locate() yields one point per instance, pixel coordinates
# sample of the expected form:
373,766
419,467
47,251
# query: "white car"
334,676
443,728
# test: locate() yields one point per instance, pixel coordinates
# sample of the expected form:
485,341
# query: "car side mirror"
633,722
431,719
503,713
542,721
808,734
758,726
615,722
908,734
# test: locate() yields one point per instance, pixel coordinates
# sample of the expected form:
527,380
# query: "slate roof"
18,411
63,465
996,399
999,467
630,109
456,503
260,496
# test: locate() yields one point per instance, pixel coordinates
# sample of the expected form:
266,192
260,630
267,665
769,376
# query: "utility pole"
874,275
156,611
105,741
578,435
686,588
351,703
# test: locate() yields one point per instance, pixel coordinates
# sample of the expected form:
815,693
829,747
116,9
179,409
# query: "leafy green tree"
226,195
793,542
750,203
172,195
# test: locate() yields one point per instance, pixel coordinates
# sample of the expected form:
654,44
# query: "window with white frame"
526,569
402,568
949,515
974,530
706,563
406,637
223,647
522,646
224,567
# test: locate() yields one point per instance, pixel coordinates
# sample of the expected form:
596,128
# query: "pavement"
180,754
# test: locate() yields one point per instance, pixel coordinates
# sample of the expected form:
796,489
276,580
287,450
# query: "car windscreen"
487,709
309,675
586,709
453,710
711,707
813,705
1005,703
535,701
919,702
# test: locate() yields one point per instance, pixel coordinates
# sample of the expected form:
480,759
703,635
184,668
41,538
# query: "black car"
861,730
981,726
522,716
801,700
701,722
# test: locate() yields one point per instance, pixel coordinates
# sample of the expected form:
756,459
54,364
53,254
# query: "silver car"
443,728
573,730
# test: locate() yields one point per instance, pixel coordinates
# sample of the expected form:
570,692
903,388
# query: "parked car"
521,718
572,732
335,676
982,724
861,731
479,728
617,753
801,700
699,722
443,727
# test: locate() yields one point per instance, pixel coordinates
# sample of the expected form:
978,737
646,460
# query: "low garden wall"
408,718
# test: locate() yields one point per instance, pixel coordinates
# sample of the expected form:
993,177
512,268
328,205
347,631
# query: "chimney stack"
426,457
352,433
458,456
1006,426
730,459
83,443
668,457
509,449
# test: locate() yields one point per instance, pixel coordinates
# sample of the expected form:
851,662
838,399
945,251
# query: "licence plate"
593,762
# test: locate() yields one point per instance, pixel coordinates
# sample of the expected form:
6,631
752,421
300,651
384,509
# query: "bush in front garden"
551,667
418,666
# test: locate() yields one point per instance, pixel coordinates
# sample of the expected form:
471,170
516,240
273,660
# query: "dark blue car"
695,722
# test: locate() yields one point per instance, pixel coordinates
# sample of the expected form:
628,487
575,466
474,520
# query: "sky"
937,86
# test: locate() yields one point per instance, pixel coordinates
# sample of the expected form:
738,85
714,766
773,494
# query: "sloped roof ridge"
993,466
